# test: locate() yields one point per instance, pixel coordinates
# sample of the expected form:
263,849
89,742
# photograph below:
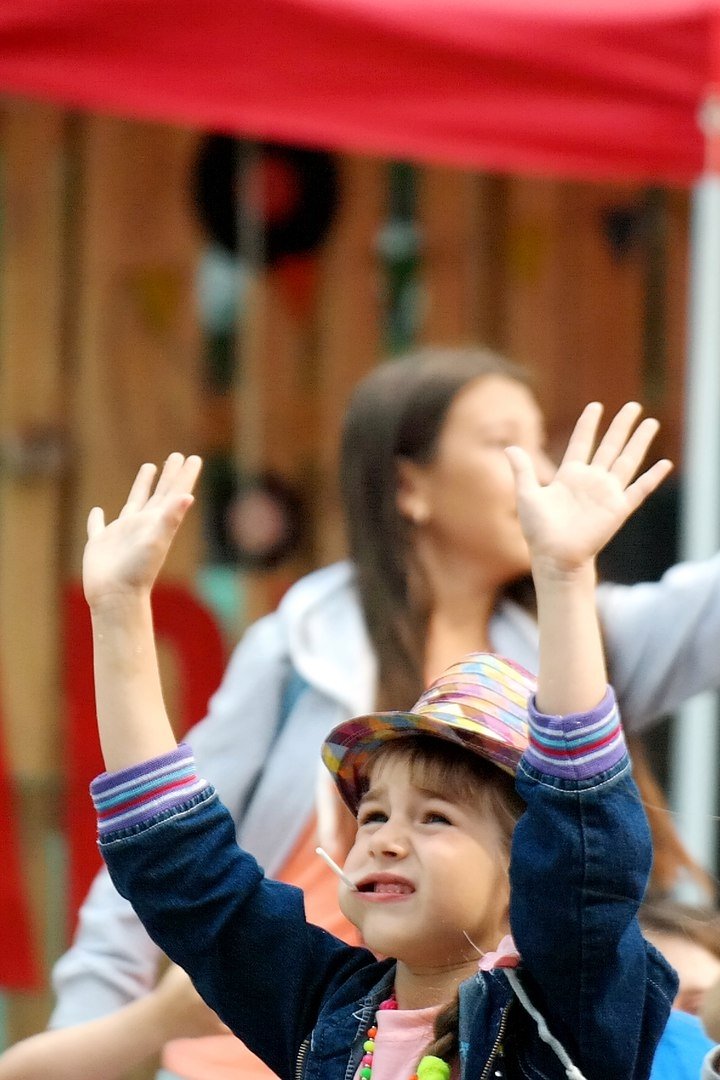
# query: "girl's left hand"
568,521
125,556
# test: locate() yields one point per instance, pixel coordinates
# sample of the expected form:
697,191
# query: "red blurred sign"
188,628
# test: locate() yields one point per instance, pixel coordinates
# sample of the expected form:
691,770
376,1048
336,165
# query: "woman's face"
463,501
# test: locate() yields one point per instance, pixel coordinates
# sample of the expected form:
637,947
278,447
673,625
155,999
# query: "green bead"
369,1046
433,1068
365,1072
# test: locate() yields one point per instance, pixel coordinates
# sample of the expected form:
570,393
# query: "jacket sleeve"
580,862
662,640
243,939
112,960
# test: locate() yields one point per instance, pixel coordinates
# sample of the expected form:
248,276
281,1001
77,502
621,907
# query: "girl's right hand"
597,486
124,557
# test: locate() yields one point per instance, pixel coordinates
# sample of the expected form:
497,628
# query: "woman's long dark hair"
397,412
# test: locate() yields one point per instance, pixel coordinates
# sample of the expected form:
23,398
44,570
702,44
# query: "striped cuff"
579,746
136,795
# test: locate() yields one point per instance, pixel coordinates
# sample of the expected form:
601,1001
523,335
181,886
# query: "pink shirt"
402,1036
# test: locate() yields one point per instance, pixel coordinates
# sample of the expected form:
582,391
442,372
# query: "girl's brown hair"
397,412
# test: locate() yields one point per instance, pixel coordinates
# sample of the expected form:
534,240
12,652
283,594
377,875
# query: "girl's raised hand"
125,556
568,521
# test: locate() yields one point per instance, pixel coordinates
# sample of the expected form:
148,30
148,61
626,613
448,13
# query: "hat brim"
350,745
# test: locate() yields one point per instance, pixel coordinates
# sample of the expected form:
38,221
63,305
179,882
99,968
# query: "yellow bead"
433,1068
369,1046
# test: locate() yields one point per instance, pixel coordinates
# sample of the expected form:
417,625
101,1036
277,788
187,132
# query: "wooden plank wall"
100,344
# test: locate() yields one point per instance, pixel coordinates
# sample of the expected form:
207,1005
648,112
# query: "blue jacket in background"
682,1050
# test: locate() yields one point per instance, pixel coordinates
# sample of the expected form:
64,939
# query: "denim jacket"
303,1000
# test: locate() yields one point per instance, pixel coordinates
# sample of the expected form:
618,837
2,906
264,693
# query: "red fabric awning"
587,88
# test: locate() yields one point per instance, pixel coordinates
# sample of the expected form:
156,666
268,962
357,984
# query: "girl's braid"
446,1041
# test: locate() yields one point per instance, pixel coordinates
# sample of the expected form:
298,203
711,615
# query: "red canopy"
590,88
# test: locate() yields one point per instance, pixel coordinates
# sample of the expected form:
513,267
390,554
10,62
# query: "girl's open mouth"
385,886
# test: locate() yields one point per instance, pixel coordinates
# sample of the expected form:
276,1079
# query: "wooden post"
602,300
296,374
32,439
676,292
136,378
349,330
99,353
450,219
275,418
573,311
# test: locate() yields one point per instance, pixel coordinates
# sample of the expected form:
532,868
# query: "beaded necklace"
430,1068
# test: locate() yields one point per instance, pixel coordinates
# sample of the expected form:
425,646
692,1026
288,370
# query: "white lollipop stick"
335,868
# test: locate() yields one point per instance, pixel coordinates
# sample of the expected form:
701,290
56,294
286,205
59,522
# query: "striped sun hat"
480,702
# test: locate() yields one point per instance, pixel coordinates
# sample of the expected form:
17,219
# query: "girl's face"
427,867
464,499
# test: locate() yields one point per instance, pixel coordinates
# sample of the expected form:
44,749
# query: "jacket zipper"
497,1043
305,1046
302,1054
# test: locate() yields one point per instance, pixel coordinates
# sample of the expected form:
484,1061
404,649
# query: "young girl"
429,881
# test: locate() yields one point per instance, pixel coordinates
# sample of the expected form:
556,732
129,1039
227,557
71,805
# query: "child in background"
689,938
429,880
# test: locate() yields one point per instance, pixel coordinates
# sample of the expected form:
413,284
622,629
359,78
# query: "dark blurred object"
647,545
37,452
624,228
254,522
291,194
